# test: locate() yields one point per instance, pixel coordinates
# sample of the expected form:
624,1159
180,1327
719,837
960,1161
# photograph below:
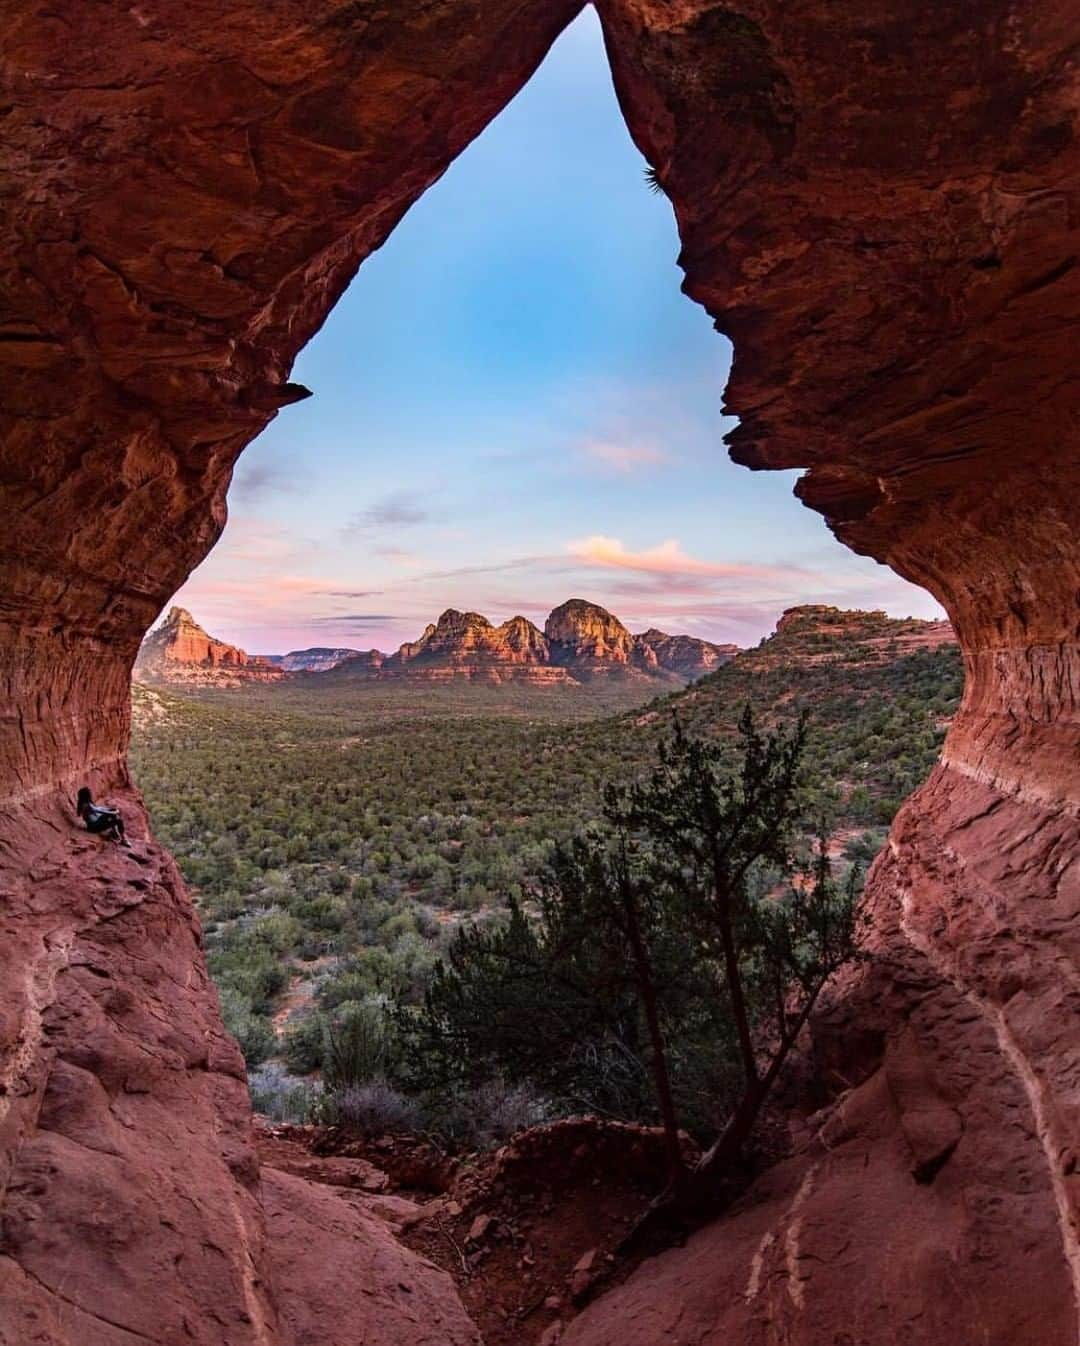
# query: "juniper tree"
681,939
579,998
771,932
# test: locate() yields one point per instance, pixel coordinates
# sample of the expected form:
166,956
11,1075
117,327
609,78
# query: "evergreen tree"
772,933
683,944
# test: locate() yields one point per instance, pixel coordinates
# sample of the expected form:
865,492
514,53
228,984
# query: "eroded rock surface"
188,189
687,656
343,1278
934,1200
131,1207
584,632
467,645
902,342
879,204
180,651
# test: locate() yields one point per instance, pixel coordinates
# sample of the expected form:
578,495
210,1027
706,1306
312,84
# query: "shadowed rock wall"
879,203
187,188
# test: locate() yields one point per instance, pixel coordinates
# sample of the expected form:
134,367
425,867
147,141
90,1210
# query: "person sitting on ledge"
105,822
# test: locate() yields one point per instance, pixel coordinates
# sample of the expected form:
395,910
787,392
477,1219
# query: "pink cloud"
666,558
621,456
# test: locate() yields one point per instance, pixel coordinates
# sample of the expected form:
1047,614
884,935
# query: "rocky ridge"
686,656
580,641
319,659
180,651
466,645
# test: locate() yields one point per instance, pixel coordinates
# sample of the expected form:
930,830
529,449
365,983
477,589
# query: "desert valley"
580,641
338,828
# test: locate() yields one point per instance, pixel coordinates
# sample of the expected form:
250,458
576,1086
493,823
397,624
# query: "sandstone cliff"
467,645
587,642
687,656
580,641
179,651
584,634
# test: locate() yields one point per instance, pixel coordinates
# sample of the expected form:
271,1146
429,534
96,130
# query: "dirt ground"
529,1231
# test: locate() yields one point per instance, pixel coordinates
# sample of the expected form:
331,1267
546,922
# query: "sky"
515,405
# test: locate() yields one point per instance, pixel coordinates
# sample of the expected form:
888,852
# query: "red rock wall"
879,204
196,183
880,207
188,188
130,1191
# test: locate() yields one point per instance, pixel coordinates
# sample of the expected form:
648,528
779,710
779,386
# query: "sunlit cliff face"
880,209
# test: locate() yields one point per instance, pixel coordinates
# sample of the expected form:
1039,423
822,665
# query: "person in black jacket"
104,821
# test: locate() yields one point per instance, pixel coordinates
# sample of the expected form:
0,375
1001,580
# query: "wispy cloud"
397,509
355,619
400,556
624,456
257,478
495,568
666,558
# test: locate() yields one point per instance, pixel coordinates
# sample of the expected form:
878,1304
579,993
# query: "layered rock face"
319,659
467,645
588,639
583,632
686,656
133,1209
363,663
879,204
201,184
198,185
897,340
811,629
580,641
180,651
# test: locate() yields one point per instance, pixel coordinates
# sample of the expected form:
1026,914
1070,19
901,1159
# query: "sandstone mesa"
581,641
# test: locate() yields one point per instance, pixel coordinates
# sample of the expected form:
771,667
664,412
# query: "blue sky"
514,405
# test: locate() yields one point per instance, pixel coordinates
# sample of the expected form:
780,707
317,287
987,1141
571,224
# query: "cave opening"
513,404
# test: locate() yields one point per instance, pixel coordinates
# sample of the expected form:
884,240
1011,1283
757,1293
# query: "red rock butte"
879,204
181,651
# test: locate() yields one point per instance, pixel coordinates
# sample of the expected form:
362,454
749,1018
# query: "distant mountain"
467,645
686,656
580,641
584,636
180,651
316,660
815,631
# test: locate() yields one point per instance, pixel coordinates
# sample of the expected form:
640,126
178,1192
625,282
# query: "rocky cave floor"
530,1232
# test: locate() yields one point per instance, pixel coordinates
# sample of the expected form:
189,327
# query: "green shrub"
253,1032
